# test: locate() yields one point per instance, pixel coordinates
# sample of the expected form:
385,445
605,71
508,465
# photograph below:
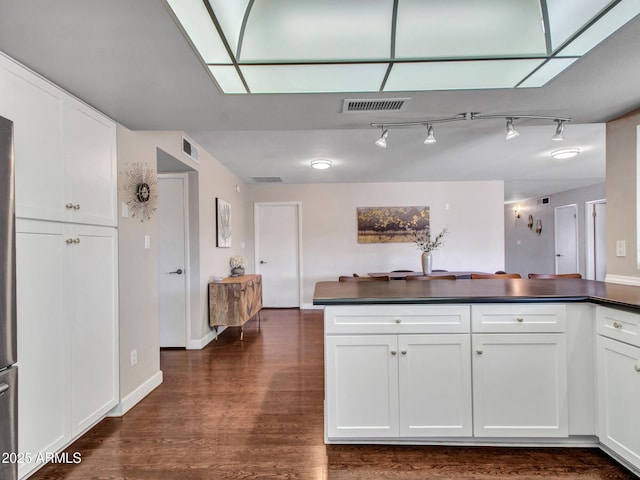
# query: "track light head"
382,141
511,132
430,136
559,135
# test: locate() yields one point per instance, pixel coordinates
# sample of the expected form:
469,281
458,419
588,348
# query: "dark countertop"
477,291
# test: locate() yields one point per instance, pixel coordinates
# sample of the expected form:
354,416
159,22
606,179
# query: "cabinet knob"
393,352
404,352
617,325
398,320
479,351
520,319
69,206
637,367
76,240
69,241
76,207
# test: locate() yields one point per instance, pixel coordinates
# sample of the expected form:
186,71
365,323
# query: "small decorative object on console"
238,264
422,239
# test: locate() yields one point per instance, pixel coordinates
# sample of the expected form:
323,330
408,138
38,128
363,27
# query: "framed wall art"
391,224
223,223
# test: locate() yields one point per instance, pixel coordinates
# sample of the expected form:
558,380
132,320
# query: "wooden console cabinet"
234,301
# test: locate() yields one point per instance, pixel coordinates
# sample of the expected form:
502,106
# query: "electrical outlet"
621,248
134,357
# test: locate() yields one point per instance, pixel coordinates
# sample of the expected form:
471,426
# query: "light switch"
621,248
125,210
147,241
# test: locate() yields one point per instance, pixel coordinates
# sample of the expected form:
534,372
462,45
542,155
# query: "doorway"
596,220
278,253
173,259
566,239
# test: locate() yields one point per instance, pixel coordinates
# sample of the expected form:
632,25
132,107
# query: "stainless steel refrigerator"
8,340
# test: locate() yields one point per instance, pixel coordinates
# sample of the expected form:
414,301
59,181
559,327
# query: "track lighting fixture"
559,135
382,141
430,136
428,124
511,132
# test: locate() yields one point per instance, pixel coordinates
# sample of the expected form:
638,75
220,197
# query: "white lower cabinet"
67,332
381,386
619,383
520,385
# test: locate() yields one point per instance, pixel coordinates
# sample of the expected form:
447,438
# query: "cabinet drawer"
518,318
618,324
397,319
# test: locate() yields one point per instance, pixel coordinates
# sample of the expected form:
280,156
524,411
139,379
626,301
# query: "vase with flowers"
422,239
238,265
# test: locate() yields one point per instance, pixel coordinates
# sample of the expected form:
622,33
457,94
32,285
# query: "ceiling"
130,60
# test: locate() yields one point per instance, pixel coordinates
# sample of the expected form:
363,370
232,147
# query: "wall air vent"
267,179
190,149
543,201
374,105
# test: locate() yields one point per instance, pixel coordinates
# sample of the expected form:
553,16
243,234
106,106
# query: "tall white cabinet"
66,197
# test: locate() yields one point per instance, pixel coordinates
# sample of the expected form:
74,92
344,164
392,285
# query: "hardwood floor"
253,409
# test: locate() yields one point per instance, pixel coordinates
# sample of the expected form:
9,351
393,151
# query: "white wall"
525,251
473,211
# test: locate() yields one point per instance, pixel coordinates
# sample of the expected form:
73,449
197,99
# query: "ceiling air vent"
190,149
375,105
267,179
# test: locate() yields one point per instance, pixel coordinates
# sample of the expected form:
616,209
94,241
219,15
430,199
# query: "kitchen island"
483,362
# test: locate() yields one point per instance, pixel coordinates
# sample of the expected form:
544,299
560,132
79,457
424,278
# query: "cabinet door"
93,301
435,385
90,165
520,385
361,386
619,396
43,342
36,109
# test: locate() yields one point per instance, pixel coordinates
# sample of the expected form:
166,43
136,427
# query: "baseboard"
311,306
200,343
131,400
623,280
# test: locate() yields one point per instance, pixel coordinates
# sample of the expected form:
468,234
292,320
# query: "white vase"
427,263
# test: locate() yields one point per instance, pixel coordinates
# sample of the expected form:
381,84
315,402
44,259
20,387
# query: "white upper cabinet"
65,151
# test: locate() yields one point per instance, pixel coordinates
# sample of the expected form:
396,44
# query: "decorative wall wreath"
141,191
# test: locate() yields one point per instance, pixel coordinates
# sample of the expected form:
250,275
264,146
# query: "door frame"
555,235
256,236
590,273
187,254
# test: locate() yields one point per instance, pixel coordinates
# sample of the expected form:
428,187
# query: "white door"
566,227
277,227
172,262
596,258
435,385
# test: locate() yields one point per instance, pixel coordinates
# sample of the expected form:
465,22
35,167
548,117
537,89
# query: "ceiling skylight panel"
566,17
547,72
312,31
314,78
228,79
612,21
230,16
480,74
195,20
469,28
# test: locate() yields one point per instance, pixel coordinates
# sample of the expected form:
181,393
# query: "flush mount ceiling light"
565,153
321,164
261,46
